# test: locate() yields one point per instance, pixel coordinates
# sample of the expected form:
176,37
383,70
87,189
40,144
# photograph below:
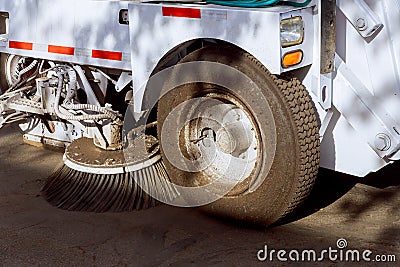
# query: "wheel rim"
184,87
222,137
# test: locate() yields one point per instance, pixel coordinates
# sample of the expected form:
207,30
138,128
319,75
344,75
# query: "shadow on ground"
34,233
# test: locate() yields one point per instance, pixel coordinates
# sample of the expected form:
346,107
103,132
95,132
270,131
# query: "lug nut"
361,24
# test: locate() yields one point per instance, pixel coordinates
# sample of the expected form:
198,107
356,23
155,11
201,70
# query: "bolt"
361,24
382,142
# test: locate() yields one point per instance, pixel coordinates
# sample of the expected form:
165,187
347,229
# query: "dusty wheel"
265,127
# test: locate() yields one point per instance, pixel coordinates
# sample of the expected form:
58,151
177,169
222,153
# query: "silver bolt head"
361,24
382,142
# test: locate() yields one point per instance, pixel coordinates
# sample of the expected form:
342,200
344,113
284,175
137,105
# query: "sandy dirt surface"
32,233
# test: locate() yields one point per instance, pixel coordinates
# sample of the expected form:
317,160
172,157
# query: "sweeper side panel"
357,103
171,27
83,32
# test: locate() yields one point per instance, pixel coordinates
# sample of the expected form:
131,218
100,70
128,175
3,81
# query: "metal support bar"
360,15
327,52
325,90
328,36
325,123
124,79
366,114
25,105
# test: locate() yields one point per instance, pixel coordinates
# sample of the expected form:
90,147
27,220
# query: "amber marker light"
292,58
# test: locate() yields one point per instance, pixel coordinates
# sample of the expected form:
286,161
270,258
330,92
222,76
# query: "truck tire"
275,106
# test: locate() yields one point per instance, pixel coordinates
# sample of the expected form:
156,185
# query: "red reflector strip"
181,12
61,50
20,45
107,55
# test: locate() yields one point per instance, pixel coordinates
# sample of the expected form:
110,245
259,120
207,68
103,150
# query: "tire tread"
306,121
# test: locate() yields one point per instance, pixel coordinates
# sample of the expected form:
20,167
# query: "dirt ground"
32,233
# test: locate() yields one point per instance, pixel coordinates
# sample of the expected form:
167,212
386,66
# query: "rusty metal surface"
84,152
328,35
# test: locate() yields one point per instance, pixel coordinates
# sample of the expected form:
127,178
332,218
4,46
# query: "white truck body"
358,104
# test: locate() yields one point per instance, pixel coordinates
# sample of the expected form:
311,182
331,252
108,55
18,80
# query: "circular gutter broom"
97,180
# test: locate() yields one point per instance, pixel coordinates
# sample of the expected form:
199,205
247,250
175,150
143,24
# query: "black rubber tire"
296,161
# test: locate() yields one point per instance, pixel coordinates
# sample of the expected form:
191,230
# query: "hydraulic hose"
22,72
14,117
257,3
29,68
297,4
107,114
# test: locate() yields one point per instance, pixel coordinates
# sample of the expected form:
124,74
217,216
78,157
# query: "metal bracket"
25,105
3,40
325,124
124,79
364,112
4,17
47,95
325,90
327,52
360,15
328,35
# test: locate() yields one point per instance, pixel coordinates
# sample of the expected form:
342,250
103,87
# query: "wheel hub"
223,138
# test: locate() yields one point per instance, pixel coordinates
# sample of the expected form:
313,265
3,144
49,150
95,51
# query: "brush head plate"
83,155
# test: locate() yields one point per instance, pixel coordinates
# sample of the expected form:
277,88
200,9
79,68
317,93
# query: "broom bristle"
74,190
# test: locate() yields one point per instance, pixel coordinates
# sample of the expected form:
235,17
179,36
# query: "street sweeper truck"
227,105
